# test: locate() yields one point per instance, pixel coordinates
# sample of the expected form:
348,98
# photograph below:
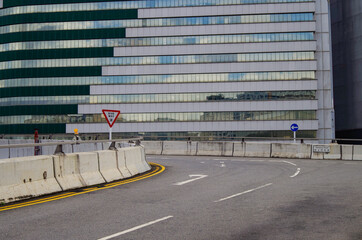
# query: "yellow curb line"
159,169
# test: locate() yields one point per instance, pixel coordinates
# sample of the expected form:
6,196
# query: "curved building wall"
220,68
347,66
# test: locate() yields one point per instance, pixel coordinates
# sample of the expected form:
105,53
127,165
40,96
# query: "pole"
110,133
295,136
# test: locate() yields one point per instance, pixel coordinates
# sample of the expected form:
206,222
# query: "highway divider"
331,151
26,177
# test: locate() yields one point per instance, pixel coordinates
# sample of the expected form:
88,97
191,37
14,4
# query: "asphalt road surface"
208,198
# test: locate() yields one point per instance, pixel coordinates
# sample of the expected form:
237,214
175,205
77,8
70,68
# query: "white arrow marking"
296,173
198,176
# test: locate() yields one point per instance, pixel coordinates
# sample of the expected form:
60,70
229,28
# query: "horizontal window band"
56,53
165,117
164,60
29,128
162,79
50,72
38,110
44,91
162,41
69,16
63,35
215,135
137,4
162,22
164,98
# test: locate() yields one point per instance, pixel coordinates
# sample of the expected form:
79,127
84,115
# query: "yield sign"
111,116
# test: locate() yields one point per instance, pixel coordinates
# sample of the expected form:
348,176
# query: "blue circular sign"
294,127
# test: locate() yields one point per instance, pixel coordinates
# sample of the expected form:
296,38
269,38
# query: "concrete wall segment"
239,149
357,152
122,167
153,147
89,168
215,149
179,148
255,149
136,160
291,150
335,153
67,171
347,152
108,165
22,178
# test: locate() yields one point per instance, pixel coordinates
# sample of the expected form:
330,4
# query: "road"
208,198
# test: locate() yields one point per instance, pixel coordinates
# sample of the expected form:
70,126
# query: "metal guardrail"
59,144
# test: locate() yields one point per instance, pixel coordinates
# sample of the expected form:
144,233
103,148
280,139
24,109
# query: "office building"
232,68
347,66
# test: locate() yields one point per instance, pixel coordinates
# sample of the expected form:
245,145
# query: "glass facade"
53,53
164,117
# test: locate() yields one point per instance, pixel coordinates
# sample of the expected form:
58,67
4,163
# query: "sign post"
294,127
111,117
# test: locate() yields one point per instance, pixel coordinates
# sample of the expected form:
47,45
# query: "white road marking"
135,228
198,176
202,162
247,191
222,165
296,173
290,163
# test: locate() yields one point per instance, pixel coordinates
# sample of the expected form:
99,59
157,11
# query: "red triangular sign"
111,116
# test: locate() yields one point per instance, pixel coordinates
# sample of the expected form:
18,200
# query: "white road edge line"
247,191
296,173
135,228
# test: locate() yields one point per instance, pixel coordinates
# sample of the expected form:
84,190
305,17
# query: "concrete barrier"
253,149
89,168
179,148
347,152
121,159
215,149
239,149
26,177
66,169
334,154
136,160
153,147
357,152
291,150
108,165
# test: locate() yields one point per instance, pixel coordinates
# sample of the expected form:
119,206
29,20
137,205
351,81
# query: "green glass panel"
63,35
38,110
56,54
13,3
50,72
44,91
69,16
29,128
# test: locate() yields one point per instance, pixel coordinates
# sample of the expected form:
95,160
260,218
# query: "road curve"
208,198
